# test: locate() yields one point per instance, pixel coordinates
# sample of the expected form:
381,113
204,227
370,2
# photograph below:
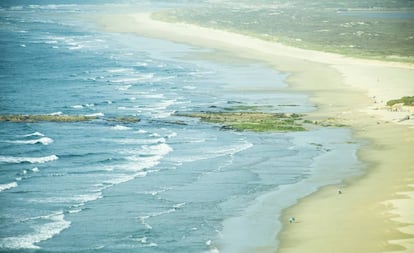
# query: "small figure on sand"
339,191
292,219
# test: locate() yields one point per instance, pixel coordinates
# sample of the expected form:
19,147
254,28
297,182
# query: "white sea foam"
171,210
34,134
83,198
77,106
56,113
156,192
119,70
216,152
76,47
4,187
148,157
52,6
231,150
43,140
162,115
171,135
164,78
144,222
80,199
143,219
141,174
157,150
209,243
141,64
98,114
51,41
165,104
153,96
159,109
141,163
35,169
120,179
142,240
143,77
179,205
214,250
140,141
124,88
14,159
121,128
196,140
41,233
76,210
145,243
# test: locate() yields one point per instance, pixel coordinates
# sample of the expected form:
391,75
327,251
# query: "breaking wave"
14,159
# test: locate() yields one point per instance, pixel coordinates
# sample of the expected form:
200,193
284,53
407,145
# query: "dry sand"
375,212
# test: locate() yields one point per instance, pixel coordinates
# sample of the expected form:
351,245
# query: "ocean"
165,183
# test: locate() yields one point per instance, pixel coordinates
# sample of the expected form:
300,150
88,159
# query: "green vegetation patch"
242,108
251,121
329,122
408,101
125,119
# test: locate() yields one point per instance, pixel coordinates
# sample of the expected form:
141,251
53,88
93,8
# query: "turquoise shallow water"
151,186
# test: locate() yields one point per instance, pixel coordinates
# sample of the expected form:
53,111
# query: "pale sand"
375,212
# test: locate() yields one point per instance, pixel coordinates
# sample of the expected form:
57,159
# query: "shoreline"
372,215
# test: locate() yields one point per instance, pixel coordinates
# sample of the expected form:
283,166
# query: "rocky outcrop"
251,121
20,118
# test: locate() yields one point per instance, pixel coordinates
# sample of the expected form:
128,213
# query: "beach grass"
406,100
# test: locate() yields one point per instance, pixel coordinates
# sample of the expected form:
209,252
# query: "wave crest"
41,233
14,159
43,141
8,186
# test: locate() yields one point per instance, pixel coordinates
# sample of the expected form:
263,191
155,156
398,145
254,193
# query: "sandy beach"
374,211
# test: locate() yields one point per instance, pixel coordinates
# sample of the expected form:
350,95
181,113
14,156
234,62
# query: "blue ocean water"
164,184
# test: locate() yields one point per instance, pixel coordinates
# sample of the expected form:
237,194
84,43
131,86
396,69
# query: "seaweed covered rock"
251,121
51,118
20,118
